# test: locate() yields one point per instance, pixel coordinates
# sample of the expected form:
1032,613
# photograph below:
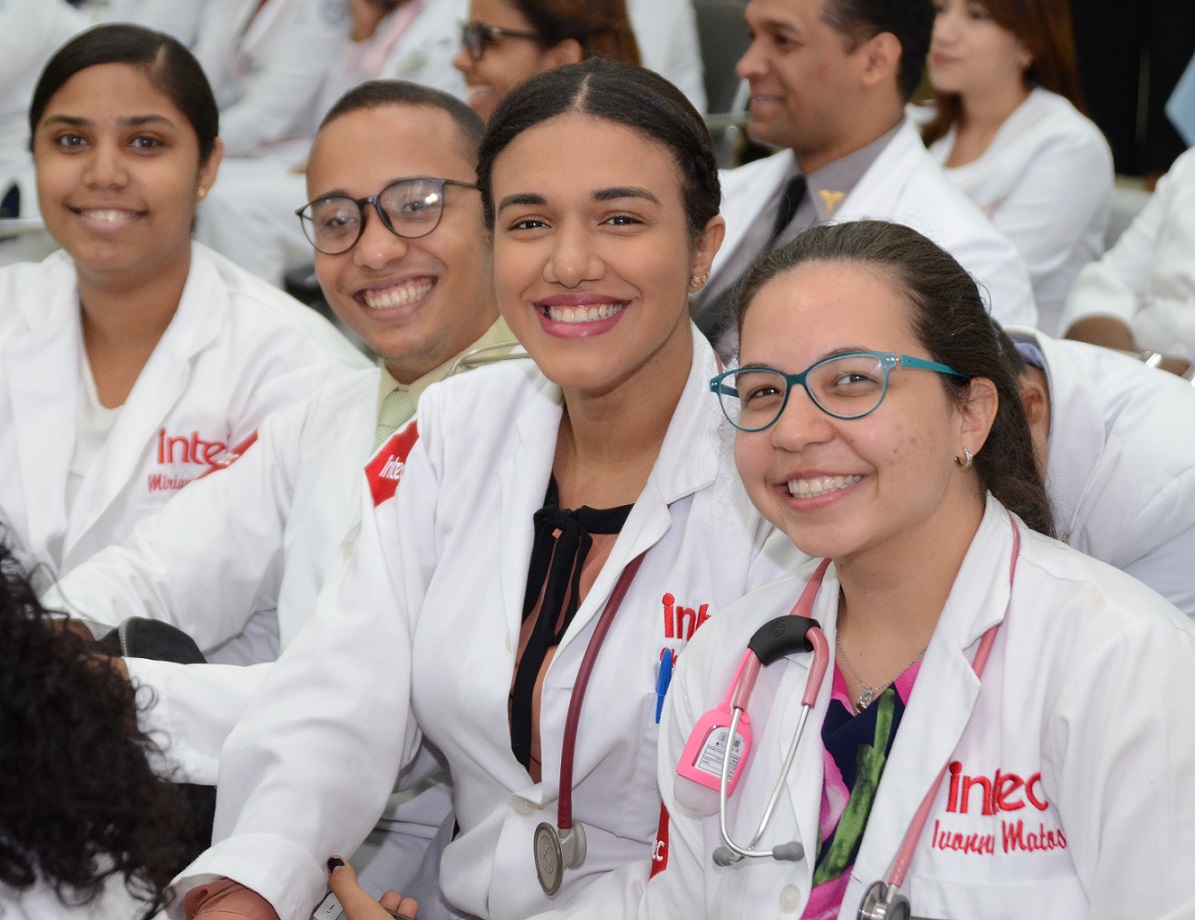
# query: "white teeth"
398,296
592,314
110,216
812,488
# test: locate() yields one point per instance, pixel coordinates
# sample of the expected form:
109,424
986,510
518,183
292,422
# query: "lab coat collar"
688,462
163,380
1076,430
946,689
879,191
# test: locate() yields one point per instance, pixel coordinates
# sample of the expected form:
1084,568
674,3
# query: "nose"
461,60
753,63
945,26
105,167
572,259
377,247
802,423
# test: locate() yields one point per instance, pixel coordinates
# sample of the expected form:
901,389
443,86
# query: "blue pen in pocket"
663,681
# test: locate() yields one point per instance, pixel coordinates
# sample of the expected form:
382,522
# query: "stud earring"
698,280
202,192
965,464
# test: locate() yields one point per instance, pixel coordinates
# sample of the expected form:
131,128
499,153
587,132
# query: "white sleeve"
666,33
190,709
209,559
1118,283
285,93
309,768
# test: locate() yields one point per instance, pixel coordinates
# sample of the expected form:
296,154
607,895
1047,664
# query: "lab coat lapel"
688,461
943,697
523,481
879,192
159,386
42,365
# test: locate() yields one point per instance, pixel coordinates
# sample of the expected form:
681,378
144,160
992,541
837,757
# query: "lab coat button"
790,897
523,807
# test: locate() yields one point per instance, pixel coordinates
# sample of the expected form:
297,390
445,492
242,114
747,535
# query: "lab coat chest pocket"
947,899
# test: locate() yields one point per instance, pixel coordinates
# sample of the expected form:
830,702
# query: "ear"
881,56
207,172
568,51
707,247
1035,398
977,414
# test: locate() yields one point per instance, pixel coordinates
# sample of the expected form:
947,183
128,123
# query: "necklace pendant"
866,695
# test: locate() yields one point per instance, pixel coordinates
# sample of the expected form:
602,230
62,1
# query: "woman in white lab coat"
485,577
1010,132
132,359
1056,782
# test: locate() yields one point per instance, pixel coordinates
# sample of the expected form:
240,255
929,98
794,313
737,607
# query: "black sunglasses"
477,36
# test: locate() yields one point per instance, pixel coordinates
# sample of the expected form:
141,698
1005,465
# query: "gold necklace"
867,694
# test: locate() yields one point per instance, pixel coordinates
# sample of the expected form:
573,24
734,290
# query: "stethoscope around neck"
720,744
562,846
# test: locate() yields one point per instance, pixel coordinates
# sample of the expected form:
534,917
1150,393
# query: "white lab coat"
1147,280
1121,474
249,215
30,32
296,495
1080,688
235,351
178,19
905,185
267,69
435,589
1046,183
666,33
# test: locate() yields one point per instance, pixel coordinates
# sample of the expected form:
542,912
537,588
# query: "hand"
367,16
358,904
225,899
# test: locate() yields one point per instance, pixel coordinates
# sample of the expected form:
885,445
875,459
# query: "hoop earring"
965,464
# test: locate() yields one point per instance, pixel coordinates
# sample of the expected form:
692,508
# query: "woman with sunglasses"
543,505
506,42
132,359
1020,690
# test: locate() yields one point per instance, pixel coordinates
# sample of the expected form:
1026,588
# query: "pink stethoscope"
720,743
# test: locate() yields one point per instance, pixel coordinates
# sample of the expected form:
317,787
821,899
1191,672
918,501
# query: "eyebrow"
614,193
132,121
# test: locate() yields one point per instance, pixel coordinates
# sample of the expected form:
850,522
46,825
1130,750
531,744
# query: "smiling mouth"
108,215
821,485
396,295
574,316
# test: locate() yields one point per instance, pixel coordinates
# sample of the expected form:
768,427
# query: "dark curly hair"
79,803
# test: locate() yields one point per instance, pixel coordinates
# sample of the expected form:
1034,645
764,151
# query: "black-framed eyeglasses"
477,36
409,208
847,386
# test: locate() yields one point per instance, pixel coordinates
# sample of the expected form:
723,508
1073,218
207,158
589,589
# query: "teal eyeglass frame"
888,360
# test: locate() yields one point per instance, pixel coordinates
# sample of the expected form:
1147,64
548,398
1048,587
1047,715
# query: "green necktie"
396,409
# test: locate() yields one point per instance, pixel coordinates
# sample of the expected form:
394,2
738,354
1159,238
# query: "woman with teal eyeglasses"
997,727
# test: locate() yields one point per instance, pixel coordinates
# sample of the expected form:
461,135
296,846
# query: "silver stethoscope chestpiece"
884,902
554,854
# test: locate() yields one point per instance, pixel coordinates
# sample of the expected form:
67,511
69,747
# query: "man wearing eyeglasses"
238,557
829,83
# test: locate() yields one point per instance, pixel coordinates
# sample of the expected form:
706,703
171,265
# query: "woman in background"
1010,132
